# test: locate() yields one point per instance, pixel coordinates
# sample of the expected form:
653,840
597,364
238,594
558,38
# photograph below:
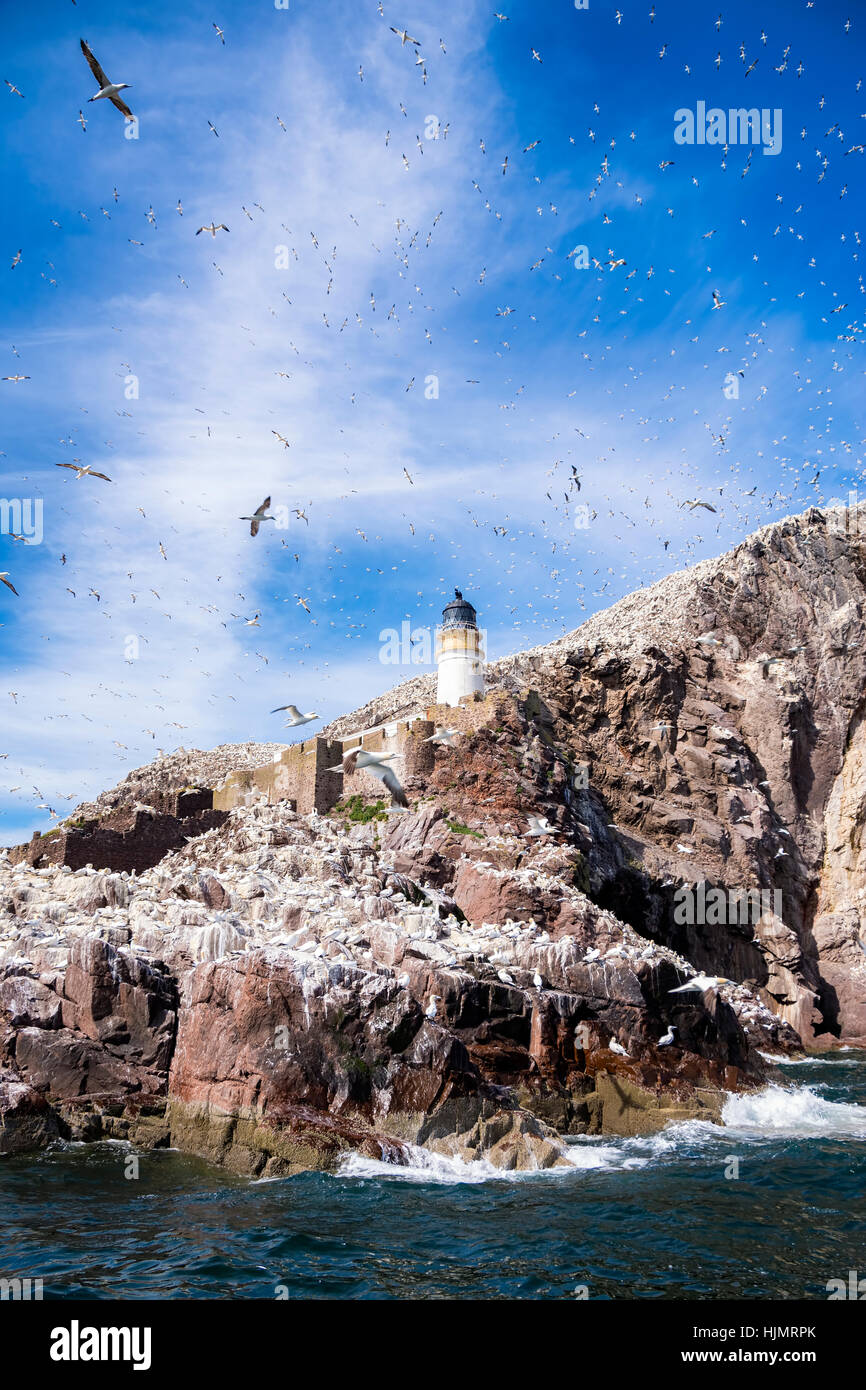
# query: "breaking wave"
795,1113
776,1112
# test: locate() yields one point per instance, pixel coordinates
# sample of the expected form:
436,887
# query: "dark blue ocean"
649,1218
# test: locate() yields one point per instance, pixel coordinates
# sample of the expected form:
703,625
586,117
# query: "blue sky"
346,284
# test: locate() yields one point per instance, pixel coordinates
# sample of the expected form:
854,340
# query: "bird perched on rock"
617,1048
668,1037
430,1011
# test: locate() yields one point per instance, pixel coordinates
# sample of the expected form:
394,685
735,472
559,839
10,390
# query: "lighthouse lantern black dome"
459,612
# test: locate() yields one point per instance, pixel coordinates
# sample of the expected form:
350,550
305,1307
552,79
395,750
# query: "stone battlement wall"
134,838
144,839
301,774
298,774
473,712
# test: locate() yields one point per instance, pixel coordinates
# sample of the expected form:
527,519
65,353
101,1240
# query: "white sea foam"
777,1111
793,1112
829,1059
422,1166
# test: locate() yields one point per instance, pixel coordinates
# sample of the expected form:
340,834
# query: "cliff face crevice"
838,923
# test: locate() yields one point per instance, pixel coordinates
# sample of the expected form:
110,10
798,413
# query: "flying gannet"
295,716
258,517
84,471
701,983
106,88
374,763
445,736
539,825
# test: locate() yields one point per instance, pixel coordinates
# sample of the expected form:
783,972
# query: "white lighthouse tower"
459,652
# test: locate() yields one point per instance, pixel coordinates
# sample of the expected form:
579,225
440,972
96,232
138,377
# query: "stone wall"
134,839
473,712
298,775
143,841
301,774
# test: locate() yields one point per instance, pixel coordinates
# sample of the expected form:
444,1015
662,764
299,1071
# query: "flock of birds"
548,570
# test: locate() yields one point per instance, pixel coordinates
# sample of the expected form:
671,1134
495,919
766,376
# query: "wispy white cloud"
609,374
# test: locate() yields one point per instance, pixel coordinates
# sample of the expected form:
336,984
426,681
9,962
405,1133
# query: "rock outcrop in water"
288,988
262,997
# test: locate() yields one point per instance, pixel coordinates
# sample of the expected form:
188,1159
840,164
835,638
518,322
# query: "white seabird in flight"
84,471
106,88
701,983
4,578
445,736
213,229
258,517
295,717
539,825
374,763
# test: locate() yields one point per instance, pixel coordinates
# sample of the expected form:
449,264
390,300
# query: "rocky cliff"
286,988
720,718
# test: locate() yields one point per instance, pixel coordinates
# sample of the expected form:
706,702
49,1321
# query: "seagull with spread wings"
258,517
106,88
84,470
376,765
691,503
443,736
295,717
699,984
4,579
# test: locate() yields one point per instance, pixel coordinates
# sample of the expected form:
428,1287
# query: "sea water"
772,1205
